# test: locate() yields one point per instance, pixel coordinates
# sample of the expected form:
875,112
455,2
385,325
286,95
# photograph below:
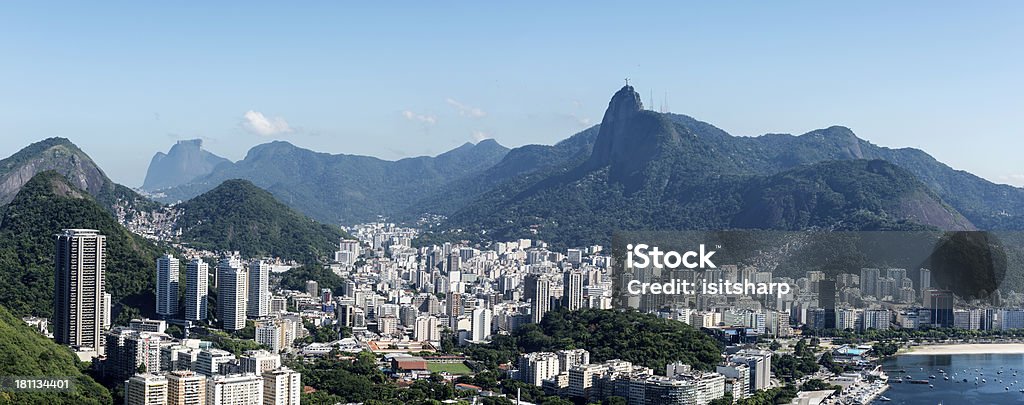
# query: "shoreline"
965,348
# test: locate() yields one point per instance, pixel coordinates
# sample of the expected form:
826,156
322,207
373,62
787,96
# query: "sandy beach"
972,348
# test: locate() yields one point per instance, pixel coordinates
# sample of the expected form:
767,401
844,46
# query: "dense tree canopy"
237,215
25,352
607,334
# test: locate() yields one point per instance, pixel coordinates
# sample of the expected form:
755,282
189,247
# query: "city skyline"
279,204
328,77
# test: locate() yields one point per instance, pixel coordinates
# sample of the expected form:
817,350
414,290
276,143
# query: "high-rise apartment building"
282,386
869,282
538,291
940,305
259,289
259,361
482,317
186,388
572,290
427,329
145,389
167,285
234,389
81,307
827,301
197,276
129,350
231,293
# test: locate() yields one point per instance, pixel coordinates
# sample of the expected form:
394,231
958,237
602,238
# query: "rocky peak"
623,106
57,154
628,135
184,162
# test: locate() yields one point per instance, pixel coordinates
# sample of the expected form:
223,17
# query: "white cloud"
465,110
480,135
1013,179
582,121
262,125
422,118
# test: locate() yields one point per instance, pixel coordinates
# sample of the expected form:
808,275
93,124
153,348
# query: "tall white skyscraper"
259,289
482,324
197,276
167,285
80,303
537,289
231,293
572,290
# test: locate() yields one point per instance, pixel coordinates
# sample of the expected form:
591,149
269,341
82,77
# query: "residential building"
231,293
81,307
282,386
197,278
186,388
167,285
145,389
259,289
235,389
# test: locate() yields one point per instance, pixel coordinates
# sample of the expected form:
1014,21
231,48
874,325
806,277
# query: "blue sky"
125,80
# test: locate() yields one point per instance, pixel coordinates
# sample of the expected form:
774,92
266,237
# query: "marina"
954,379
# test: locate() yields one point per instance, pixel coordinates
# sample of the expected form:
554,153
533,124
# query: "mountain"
345,188
654,171
517,165
185,162
845,194
25,352
237,215
44,206
78,168
637,159
987,205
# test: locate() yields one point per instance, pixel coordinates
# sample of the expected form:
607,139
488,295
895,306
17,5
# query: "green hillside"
237,215
44,206
26,353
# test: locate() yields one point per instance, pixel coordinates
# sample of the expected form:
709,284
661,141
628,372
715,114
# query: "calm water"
952,392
